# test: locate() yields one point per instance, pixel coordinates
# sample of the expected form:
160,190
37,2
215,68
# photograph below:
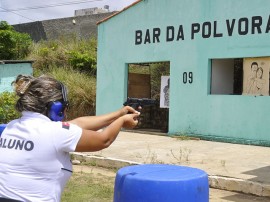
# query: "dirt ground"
216,195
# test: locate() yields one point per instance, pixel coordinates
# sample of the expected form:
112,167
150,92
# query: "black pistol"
135,103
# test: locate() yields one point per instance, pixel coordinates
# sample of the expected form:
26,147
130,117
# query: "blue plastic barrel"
2,127
161,183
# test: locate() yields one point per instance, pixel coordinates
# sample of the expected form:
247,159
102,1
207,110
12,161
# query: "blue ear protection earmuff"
57,108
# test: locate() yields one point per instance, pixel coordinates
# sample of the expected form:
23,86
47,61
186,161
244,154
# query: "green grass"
54,58
89,187
81,91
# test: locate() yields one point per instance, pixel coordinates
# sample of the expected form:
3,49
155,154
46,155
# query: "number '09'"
187,77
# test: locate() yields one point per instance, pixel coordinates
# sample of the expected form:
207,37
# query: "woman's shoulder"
63,127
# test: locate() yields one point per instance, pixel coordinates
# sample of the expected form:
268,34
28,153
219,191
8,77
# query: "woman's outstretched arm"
97,122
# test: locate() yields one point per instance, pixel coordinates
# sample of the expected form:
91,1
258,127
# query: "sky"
23,11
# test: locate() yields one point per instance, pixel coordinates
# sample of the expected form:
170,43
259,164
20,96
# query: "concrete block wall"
84,27
34,29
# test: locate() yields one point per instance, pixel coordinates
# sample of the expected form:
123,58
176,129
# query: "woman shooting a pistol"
35,162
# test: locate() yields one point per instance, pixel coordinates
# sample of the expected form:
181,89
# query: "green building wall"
9,71
238,29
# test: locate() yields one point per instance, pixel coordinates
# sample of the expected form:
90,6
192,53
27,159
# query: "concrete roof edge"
105,19
15,61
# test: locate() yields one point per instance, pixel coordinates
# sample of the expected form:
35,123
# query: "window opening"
240,76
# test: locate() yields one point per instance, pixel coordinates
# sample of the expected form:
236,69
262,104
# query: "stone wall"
34,29
80,26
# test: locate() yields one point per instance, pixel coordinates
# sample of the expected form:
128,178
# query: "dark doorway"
227,76
145,82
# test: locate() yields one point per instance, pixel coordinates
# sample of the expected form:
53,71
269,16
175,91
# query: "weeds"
223,164
151,157
184,136
182,155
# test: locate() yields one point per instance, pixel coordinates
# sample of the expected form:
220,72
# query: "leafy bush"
73,62
13,45
7,107
48,54
83,62
65,53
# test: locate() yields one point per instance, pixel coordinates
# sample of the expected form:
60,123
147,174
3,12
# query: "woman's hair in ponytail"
35,94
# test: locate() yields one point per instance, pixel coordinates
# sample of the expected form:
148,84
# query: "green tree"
13,45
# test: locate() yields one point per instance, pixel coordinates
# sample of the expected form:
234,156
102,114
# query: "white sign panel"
165,92
256,76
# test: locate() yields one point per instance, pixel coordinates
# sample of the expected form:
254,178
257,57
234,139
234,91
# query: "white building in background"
91,11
